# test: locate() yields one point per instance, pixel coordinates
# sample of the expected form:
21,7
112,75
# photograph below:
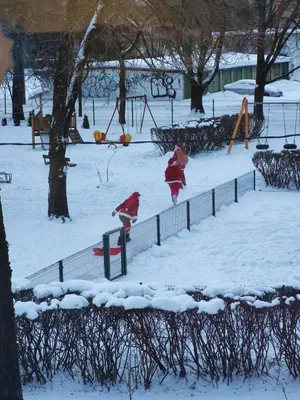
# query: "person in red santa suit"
182,159
128,212
174,178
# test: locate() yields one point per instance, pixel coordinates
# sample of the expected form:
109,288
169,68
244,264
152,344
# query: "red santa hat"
136,194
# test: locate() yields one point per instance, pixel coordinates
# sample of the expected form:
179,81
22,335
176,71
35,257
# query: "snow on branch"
92,25
81,56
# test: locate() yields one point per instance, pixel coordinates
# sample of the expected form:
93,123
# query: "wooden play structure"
244,110
74,135
40,127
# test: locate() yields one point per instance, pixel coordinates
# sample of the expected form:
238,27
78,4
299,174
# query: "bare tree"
194,32
10,381
122,35
276,21
67,83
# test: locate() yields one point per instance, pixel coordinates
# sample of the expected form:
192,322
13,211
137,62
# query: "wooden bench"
46,158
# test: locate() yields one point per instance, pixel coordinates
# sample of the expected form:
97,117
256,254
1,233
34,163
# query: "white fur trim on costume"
173,181
126,215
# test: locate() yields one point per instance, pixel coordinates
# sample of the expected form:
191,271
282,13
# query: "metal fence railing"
81,265
85,265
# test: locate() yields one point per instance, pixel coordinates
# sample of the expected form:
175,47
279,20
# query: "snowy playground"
250,243
36,243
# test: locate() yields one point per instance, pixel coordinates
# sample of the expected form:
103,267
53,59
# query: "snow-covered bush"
96,331
206,134
281,170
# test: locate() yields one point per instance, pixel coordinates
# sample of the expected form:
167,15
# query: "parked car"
247,86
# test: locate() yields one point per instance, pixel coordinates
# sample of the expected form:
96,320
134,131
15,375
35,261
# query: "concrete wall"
103,84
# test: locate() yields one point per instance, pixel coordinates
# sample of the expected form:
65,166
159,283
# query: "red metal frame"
146,106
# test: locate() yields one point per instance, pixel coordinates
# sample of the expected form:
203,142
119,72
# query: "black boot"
119,241
127,237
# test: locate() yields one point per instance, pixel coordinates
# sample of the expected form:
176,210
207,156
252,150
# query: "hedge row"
111,345
281,170
207,134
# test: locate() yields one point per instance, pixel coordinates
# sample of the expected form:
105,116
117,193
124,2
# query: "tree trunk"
63,108
10,381
57,201
18,90
197,92
261,64
122,90
260,86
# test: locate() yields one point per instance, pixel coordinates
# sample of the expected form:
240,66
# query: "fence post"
61,270
188,215
94,123
213,108
123,252
172,112
254,179
158,230
106,249
213,198
236,190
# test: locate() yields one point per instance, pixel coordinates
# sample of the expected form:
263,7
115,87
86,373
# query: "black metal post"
5,99
61,270
94,123
213,108
158,230
132,116
254,179
188,215
172,112
80,102
106,249
236,190
213,198
123,251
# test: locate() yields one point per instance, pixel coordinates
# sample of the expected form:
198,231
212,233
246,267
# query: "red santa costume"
128,211
174,178
181,158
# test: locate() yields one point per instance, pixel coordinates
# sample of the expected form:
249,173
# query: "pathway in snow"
254,242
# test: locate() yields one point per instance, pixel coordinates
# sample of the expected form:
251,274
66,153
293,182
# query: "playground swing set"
264,145
133,114
290,146
243,111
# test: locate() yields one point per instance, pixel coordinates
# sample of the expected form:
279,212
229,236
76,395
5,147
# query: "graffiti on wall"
100,84
161,86
104,84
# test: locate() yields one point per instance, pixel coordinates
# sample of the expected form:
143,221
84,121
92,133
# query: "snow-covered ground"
241,246
253,242
278,388
36,243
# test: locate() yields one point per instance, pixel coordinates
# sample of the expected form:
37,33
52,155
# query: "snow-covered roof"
228,60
